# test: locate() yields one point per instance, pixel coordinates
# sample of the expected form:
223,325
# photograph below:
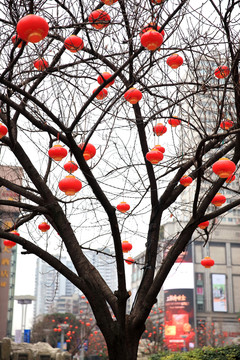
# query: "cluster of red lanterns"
103,78
154,156
102,94
221,72
174,61
123,207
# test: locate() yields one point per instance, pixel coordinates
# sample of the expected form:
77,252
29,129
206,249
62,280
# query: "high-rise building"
8,256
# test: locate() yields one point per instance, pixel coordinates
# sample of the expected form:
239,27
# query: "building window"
236,292
198,253
200,306
235,254
218,253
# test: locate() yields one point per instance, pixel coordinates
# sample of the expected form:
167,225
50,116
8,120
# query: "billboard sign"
219,294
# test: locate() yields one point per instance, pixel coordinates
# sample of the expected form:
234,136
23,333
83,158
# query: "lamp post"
24,300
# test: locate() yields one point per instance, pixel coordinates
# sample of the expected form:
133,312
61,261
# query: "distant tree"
45,105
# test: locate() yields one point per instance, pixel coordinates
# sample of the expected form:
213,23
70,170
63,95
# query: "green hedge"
206,353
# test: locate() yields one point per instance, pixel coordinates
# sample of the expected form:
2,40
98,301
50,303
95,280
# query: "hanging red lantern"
123,207
160,148
224,167
159,129
154,156
186,180
174,122
230,179
207,262
89,151
221,72
88,324
15,39
174,61
99,19
105,76
70,167
102,94
226,124
41,64
129,260
151,40
109,2
157,2
9,243
133,95
3,130
218,199
44,226
73,43
126,246
70,185
32,28
203,225
57,152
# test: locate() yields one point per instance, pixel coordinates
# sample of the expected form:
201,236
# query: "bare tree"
57,105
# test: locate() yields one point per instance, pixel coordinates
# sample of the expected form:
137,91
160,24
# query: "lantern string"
58,136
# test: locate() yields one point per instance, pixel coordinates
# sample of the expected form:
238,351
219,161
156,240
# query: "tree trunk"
124,345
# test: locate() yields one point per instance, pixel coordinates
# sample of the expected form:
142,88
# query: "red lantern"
32,28
99,19
186,180
174,122
230,179
105,76
102,94
3,130
218,199
57,152
70,185
73,43
226,124
44,226
129,260
151,40
224,167
126,246
109,2
123,207
160,148
203,225
9,243
133,95
157,2
221,72
15,39
159,129
41,64
70,167
154,156
88,324
89,151
207,262
174,61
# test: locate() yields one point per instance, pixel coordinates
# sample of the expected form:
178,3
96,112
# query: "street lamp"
24,300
